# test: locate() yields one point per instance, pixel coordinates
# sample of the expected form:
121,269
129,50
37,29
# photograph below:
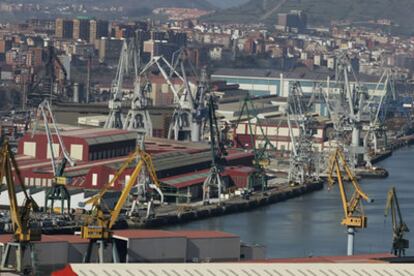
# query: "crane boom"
399,244
98,225
24,232
58,190
101,223
354,216
353,212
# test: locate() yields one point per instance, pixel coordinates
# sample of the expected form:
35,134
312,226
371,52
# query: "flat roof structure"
240,269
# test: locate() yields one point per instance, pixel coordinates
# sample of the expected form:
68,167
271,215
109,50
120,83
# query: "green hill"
321,12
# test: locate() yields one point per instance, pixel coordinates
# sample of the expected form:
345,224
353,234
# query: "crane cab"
95,232
355,221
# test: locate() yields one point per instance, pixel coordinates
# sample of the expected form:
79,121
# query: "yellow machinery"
24,231
354,216
399,244
97,226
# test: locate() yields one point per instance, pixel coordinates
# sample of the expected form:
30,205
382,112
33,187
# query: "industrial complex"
125,130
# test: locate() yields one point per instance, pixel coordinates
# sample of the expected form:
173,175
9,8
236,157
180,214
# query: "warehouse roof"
300,73
145,234
241,269
95,136
201,234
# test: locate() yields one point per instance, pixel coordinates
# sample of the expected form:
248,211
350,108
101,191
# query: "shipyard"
239,137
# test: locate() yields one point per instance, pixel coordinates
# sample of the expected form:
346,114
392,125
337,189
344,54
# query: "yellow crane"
97,226
399,244
354,216
24,230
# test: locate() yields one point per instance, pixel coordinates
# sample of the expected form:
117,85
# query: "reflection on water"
310,225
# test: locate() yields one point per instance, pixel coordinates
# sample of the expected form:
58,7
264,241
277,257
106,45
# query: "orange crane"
97,227
354,216
24,230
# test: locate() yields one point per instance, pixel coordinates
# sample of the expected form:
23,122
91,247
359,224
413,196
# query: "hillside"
321,12
227,3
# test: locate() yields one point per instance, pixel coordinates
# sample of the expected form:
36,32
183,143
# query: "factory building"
277,131
139,246
82,144
99,153
260,82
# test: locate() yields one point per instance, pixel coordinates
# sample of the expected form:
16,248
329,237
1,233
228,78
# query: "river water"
310,225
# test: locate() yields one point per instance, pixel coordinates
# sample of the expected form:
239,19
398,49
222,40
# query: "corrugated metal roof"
242,269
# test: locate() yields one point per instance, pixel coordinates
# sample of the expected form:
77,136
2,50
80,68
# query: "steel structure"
303,161
261,154
138,117
399,228
97,227
348,105
354,216
58,191
213,184
25,231
195,100
376,128
115,118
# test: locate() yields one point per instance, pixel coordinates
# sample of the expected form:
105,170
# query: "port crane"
302,157
58,191
346,103
213,184
25,231
195,101
190,111
115,118
97,226
261,154
376,127
399,228
354,216
138,117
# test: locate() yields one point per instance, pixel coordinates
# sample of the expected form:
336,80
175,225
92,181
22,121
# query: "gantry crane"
138,117
399,244
376,127
354,216
346,103
194,100
190,111
302,156
115,118
97,227
24,230
213,184
261,154
58,191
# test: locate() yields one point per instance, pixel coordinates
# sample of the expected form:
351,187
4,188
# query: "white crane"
302,155
58,191
346,105
115,117
138,117
376,127
189,112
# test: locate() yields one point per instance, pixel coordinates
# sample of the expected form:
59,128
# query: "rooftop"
298,73
145,234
